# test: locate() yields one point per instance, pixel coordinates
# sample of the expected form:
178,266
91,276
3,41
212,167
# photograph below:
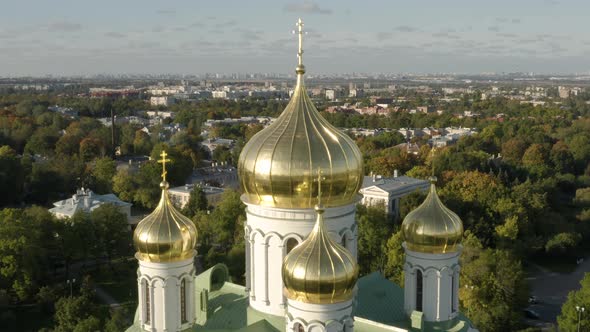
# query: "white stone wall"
437,272
334,317
164,286
267,231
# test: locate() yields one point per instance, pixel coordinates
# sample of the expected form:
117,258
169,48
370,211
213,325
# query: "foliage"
394,267
568,319
75,314
373,231
196,202
563,244
11,176
102,174
492,286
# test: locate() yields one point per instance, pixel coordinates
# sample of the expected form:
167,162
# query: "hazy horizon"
65,38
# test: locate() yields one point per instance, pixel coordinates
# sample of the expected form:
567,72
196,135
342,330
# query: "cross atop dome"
300,70
320,178
163,162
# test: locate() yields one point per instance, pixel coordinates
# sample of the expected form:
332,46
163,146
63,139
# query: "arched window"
146,301
291,243
298,328
183,301
419,290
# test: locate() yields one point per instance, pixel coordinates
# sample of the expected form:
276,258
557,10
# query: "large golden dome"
277,166
319,270
432,227
165,235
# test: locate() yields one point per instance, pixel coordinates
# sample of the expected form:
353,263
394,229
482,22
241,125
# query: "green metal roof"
379,308
381,301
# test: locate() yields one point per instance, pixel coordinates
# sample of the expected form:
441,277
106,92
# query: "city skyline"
71,38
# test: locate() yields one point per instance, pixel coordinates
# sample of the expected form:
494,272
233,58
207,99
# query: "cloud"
445,35
114,34
405,28
306,7
507,35
251,34
515,20
166,11
229,23
384,35
64,27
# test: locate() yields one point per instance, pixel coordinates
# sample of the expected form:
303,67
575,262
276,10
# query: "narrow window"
183,301
146,301
291,243
454,293
418,290
344,244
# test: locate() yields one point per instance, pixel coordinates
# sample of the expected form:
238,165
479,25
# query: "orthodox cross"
320,178
163,162
299,25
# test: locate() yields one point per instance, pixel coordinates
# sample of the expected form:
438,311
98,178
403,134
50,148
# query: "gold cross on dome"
320,178
300,24
163,162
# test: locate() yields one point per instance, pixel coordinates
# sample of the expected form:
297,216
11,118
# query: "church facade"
301,178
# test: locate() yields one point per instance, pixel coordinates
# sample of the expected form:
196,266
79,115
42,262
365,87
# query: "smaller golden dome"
432,227
165,235
319,270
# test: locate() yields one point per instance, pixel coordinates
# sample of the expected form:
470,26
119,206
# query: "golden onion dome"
432,227
276,166
165,235
319,270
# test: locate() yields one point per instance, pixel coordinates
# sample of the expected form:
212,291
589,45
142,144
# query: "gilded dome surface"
276,167
165,235
319,270
432,227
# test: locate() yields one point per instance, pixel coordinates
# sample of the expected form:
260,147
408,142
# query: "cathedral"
300,179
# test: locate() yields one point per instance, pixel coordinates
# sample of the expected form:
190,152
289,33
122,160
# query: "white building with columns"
301,272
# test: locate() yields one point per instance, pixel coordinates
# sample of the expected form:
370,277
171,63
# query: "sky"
81,37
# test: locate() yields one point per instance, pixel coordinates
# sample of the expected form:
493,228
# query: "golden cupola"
165,235
276,166
432,227
319,270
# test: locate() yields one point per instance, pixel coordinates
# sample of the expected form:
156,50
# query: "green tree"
71,311
112,231
142,144
563,244
394,267
197,202
535,159
25,245
490,301
374,229
89,324
118,320
228,217
569,317
103,171
11,176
